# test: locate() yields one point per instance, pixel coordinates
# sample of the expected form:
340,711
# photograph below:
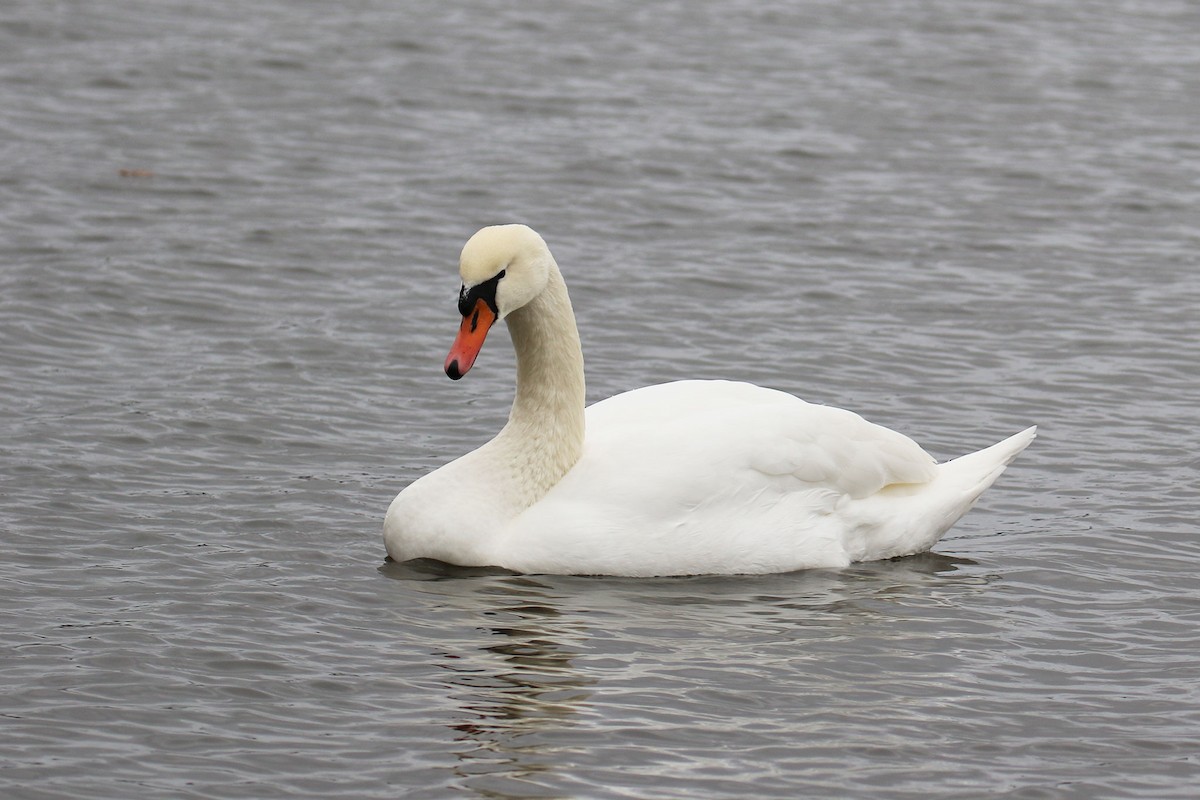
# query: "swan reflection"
516,687
543,657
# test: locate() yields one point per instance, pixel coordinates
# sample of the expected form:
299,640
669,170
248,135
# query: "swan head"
503,267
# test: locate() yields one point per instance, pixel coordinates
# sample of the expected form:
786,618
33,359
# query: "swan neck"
546,425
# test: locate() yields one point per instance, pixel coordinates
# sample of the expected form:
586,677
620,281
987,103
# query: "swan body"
683,478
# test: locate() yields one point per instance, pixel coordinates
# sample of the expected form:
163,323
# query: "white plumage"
691,477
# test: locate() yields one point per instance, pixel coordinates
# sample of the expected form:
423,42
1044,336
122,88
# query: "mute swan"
684,478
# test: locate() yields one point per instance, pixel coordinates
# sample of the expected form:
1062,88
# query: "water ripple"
228,287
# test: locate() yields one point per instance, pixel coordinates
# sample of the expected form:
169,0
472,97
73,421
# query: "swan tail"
915,516
975,472
962,480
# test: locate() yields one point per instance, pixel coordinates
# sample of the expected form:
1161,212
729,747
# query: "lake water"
230,236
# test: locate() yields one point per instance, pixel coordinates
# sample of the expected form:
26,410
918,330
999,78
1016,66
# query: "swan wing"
712,431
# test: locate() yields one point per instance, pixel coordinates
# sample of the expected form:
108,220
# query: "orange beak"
469,342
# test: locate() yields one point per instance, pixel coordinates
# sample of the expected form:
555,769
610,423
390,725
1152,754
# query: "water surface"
229,239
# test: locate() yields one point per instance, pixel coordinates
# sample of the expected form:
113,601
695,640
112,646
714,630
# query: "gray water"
230,234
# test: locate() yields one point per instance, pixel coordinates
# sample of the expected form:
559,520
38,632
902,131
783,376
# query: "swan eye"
486,291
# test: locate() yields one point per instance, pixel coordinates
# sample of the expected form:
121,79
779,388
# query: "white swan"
692,477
